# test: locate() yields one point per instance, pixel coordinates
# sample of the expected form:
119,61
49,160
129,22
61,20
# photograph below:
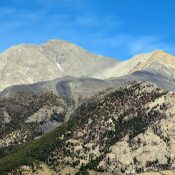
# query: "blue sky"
115,28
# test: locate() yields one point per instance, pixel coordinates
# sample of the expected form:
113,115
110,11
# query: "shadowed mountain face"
68,87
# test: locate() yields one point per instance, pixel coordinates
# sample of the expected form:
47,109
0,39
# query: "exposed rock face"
24,64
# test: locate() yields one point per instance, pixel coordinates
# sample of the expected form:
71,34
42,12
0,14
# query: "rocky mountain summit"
25,64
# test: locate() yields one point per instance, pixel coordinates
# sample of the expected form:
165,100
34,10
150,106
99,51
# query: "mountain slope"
68,87
29,111
156,60
74,123
25,116
128,121
24,64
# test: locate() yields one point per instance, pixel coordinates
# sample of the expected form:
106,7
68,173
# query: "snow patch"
59,67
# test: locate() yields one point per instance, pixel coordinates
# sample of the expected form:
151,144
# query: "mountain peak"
62,43
32,63
138,63
152,59
160,54
56,41
158,51
162,57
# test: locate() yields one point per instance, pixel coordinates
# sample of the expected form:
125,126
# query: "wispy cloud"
148,43
93,20
129,45
47,19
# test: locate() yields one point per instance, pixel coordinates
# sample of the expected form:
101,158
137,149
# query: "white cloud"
130,44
